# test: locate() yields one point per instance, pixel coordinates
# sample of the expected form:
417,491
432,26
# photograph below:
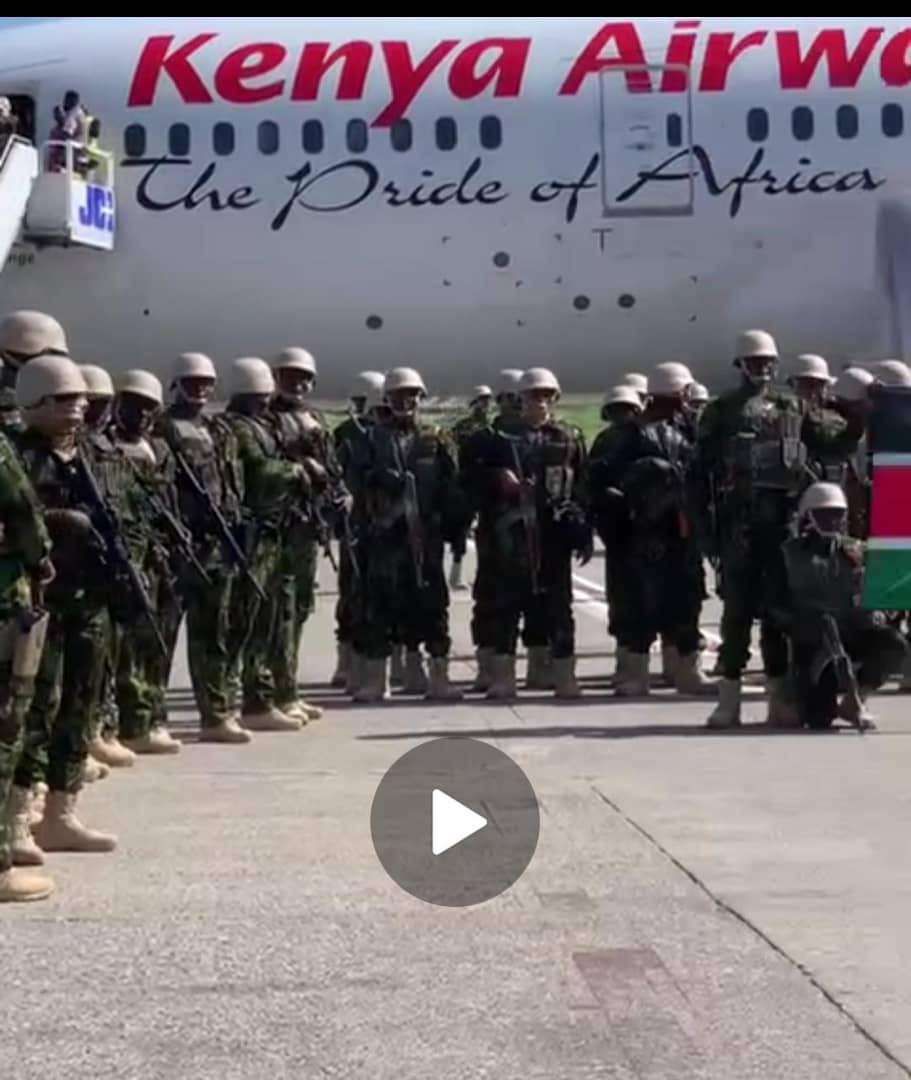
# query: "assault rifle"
528,510
232,548
412,514
107,525
832,651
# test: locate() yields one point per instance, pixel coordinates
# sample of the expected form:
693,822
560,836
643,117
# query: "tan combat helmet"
193,365
670,380
143,384
811,366
403,378
891,373
638,382
98,382
853,385
26,334
539,378
823,496
623,394
296,359
48,376
481,391
251,375
365,381
697,394
756,343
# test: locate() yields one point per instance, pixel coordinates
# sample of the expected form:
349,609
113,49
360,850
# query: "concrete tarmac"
729,906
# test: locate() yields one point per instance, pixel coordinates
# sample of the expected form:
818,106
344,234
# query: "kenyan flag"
887,577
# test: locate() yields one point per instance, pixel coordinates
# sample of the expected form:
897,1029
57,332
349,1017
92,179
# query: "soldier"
105,746
528,483
209,488
891,373
24,335
348,436
27,572
639,383
818,602
810,380
410,511
143,671
753,448
851,398
621,411
271,487
304,439
52,394
462,430
659,560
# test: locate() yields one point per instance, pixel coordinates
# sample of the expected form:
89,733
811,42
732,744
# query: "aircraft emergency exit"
466,194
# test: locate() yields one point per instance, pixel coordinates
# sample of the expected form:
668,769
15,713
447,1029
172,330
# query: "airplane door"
646,133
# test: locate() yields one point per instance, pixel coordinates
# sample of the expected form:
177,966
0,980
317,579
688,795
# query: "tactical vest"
138,451
819,581
769,453
300,434
196,442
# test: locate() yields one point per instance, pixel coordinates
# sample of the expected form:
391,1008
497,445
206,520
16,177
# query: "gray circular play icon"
455,822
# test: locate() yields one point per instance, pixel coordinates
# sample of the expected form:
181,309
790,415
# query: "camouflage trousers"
141,671
348,607
486,605
295,598
63,712
548,612
15,699
209,658
253,628
397,611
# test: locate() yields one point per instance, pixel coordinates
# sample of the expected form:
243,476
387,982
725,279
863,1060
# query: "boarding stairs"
48,197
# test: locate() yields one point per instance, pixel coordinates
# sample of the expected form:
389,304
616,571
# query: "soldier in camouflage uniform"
350,434
142,671
24,335
272,486
817,602
529,485
658,560
754,447
462,431
621,410
304,439
208,475
26,571
105,746
410,510
52,394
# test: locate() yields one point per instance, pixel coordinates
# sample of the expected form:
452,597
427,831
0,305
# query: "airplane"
467,194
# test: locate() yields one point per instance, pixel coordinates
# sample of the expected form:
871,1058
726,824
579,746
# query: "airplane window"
893,121
400,134
223,139
846,121
312,136
447,135
267,137
491,132
802,123
674,130
758,125
134,140
356,136
178,140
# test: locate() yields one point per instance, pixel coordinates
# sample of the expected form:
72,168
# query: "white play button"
452,822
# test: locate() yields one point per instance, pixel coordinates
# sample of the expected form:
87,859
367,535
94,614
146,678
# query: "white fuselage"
268,197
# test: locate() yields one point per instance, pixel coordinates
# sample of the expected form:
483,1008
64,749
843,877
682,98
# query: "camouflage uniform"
352,440
25,545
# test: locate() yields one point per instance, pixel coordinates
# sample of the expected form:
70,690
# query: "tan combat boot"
343,659
20,886
484,678
304,710
158,741
36,808
111,752
24,849
726,713
440,688
93,771
268,718
565,685
415,675
375,684
397,666
503,687
634,681
539,674
61,830
670,661
226,729
690,679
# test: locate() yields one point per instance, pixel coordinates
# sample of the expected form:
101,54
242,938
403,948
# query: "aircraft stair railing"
18,170
73,200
